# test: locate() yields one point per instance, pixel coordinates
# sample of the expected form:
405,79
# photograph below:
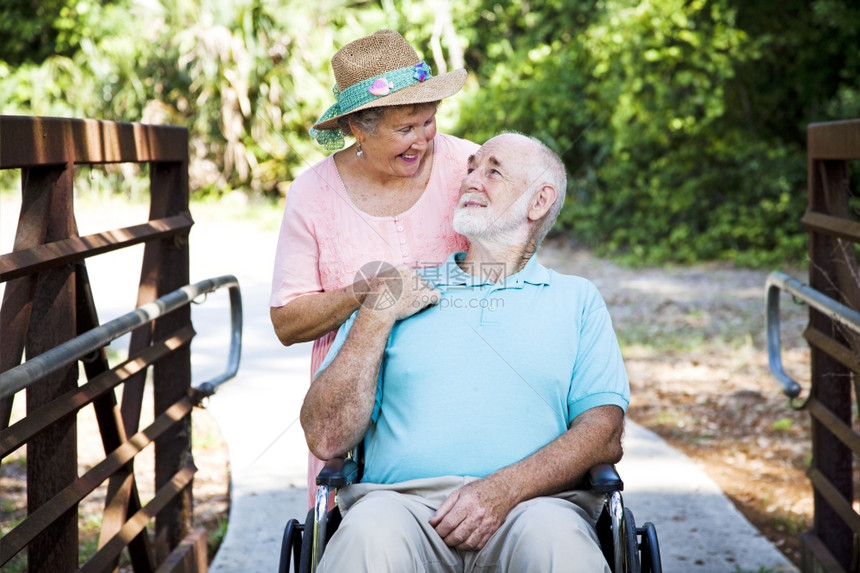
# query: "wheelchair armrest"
338,472
603,478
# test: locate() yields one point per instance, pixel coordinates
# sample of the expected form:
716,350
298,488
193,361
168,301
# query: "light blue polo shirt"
494,372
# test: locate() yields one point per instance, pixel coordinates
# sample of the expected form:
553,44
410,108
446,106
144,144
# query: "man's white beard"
485,223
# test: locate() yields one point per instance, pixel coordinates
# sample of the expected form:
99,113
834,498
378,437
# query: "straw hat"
381,70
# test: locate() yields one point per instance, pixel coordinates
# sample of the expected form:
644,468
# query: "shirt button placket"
404,248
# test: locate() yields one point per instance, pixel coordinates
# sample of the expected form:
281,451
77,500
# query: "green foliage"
32,30
532,73
660,71
807,69
244,76
215,538
682,122
665,112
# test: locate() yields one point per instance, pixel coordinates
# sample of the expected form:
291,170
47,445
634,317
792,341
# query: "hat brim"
433,89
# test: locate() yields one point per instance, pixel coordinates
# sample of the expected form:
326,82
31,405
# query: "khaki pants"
385,529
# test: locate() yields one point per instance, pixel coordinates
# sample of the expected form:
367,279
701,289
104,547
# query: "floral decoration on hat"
381,87
422,71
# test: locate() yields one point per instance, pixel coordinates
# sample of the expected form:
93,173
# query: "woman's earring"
359,153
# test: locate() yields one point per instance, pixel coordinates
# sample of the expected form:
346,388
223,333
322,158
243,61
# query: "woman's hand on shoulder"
399,292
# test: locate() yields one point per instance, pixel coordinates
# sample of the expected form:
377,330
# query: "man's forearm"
337,408
593,438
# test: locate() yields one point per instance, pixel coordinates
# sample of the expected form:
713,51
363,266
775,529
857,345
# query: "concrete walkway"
700,530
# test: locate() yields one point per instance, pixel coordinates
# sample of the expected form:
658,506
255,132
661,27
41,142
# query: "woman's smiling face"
402,141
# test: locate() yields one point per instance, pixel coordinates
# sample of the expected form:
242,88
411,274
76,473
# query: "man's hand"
472,514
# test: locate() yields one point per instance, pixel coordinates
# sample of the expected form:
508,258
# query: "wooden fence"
833,222
48,304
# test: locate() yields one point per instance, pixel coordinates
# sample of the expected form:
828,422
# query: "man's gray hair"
549,171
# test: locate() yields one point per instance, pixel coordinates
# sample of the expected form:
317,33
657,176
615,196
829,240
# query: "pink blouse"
325,238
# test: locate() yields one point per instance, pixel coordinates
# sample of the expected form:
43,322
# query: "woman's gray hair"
367,120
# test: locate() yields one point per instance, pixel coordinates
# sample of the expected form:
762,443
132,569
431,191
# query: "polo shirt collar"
532,273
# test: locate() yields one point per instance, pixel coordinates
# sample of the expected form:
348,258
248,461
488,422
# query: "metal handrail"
835,310
33,370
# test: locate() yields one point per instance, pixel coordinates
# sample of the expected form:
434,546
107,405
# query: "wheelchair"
626,547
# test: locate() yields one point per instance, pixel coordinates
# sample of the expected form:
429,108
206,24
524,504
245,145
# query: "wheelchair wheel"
306,554
631,543
290,545
304,550
650,549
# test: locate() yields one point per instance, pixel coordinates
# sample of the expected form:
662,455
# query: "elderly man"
483,394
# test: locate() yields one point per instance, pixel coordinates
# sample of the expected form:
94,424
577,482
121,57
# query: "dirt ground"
695,348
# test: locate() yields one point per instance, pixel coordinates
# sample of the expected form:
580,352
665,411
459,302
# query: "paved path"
700,530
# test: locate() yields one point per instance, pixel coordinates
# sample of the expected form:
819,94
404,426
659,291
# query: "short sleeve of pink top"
325,239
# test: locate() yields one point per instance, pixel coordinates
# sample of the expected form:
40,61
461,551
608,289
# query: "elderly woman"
386,200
